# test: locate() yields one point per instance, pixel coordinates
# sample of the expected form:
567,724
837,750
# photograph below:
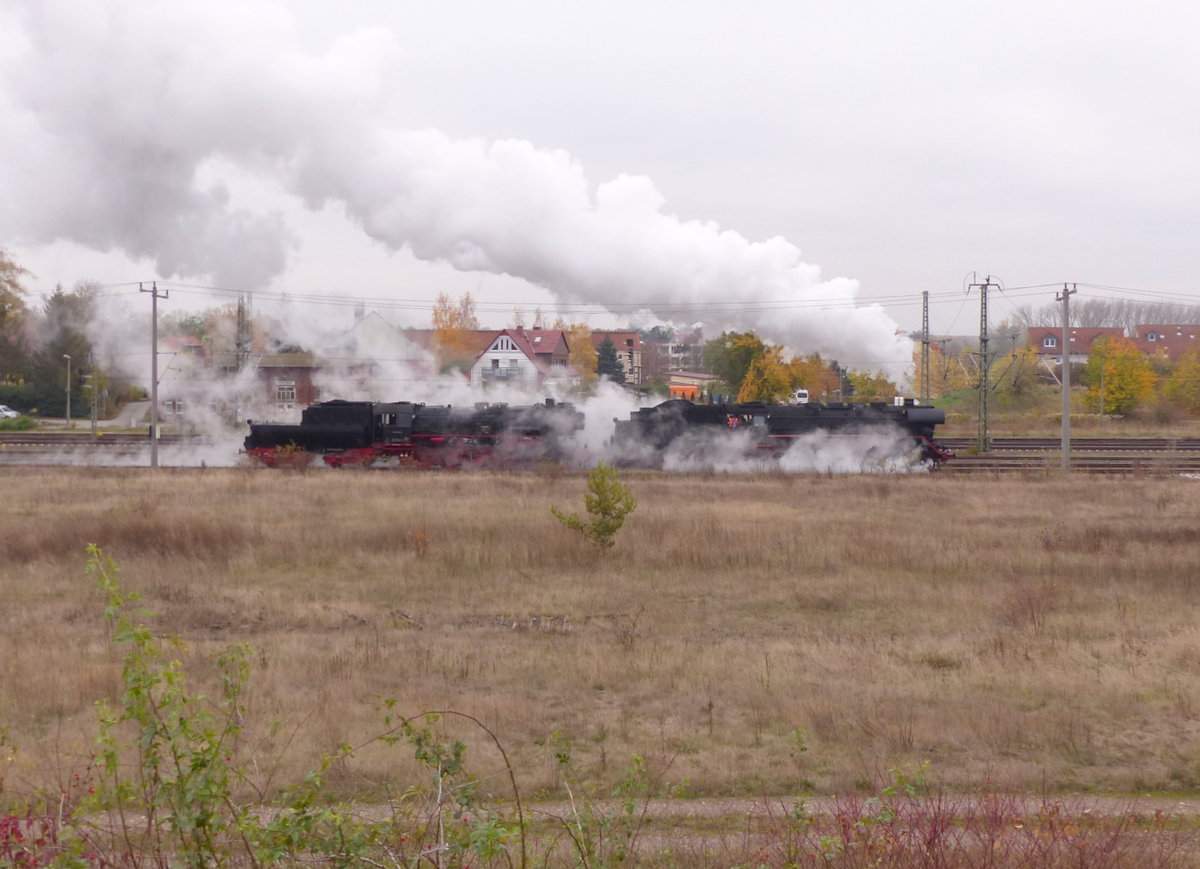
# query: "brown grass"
1019,634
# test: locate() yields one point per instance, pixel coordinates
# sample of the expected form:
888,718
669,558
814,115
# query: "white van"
800,396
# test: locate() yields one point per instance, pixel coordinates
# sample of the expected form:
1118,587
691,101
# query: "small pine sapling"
608,501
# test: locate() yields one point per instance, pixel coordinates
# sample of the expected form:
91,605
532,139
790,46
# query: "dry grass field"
1018,634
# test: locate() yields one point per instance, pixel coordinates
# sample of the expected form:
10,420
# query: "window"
285,390
514,363
1151,336
1049,341
505,344
495,364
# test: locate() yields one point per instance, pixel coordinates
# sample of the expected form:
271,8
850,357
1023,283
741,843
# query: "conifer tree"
607,363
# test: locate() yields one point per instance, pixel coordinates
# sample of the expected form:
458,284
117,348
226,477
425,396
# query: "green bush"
21,423
18,396
608,502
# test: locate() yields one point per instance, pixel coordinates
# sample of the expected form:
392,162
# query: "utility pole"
925,347
242,339
1065,298
91,382
984,442
68,358
154,297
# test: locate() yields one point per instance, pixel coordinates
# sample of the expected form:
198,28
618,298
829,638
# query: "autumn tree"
185,323
814,374
948,372
61,332
768,378
14,366
452,324
229,331
1182,387
1015,373
1117,375
872,387
730,357
582,355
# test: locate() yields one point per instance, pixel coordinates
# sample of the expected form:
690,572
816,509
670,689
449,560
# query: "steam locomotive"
366,433
502,436
773,429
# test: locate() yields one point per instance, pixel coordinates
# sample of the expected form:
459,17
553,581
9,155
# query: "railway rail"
1137,456
1088,444
73,438
1094,455
58,448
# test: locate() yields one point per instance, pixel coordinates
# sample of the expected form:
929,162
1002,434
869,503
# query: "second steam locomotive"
366,433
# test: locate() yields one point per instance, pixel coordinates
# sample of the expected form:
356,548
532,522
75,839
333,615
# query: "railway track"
1149,456
1088,445
1138,456
57,448
77,438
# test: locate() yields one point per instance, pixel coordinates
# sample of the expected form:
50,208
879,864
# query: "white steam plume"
121,114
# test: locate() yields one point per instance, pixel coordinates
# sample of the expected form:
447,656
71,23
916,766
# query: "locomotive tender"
503,436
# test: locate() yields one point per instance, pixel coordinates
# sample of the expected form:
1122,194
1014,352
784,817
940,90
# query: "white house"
525,358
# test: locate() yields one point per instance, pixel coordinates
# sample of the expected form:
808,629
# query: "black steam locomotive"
365,433
773,429
504,436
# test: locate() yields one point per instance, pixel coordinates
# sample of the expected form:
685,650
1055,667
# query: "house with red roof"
525,358
1047,340
1173,340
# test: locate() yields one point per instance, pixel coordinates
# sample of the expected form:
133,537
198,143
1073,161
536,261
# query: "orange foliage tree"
1182,387
452,321
1118,376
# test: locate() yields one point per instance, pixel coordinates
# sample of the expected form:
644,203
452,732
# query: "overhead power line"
662,308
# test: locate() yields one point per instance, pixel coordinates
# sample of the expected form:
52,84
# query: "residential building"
1172,340
525,358
685,352
286,382
1046,341
629,352
693,385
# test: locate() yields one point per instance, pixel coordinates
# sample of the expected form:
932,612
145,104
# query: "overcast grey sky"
899,145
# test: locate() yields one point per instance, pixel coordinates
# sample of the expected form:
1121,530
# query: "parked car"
7,412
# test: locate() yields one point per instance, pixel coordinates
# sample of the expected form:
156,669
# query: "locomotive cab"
394,421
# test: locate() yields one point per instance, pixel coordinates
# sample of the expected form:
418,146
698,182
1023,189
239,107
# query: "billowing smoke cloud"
122,117
870,451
